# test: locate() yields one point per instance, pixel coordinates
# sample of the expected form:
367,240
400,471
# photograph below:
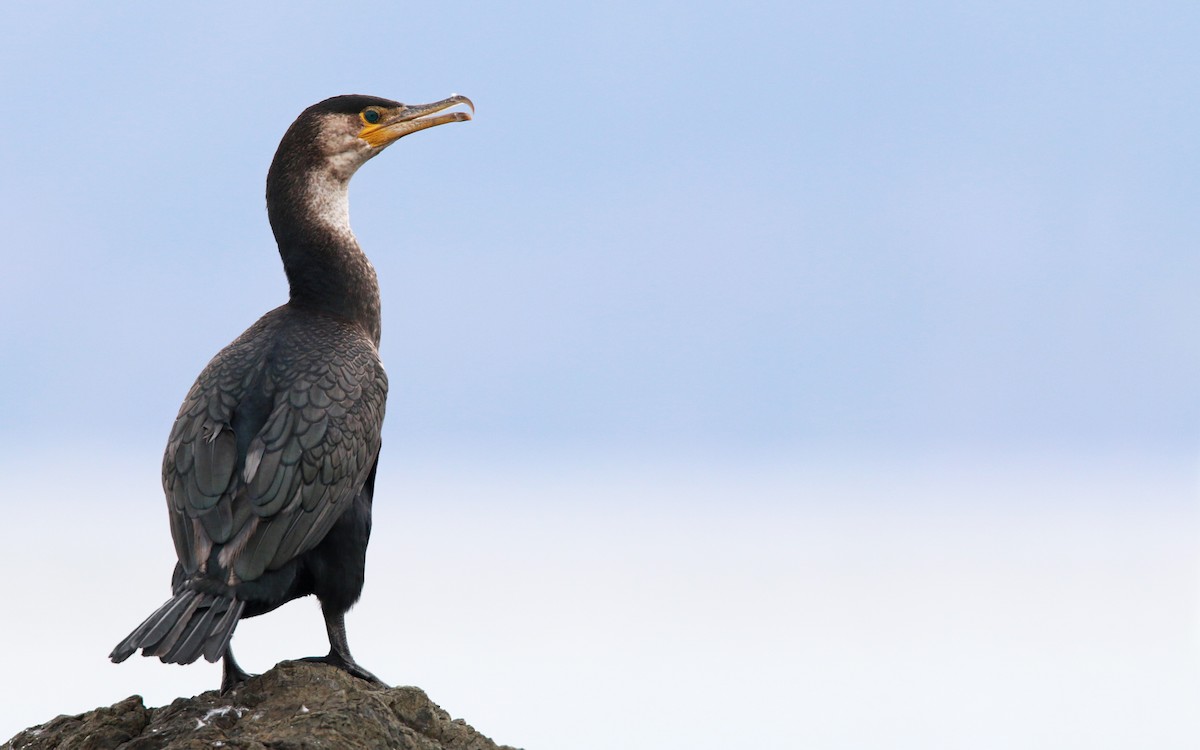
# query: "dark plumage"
269,470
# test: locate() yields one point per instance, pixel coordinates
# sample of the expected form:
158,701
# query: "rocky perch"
295,706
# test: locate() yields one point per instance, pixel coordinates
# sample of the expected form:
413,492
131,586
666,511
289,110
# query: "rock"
295,706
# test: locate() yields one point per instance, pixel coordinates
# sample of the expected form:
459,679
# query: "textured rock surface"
295,706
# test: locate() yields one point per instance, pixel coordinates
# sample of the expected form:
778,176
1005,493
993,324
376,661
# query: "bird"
269,469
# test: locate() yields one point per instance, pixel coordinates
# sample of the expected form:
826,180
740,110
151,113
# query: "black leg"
339,649
232,676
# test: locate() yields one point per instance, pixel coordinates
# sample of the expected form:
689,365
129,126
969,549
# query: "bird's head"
343,132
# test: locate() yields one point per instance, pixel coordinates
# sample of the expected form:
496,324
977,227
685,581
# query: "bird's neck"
326,269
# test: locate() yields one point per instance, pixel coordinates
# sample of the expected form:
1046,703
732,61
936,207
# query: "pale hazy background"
763,374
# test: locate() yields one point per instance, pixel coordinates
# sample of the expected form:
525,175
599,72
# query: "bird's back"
273,440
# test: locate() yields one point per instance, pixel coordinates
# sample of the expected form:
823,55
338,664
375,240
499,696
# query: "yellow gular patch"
373,131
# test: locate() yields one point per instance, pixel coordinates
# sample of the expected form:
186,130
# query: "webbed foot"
347,665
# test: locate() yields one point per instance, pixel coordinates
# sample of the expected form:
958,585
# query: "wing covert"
272,494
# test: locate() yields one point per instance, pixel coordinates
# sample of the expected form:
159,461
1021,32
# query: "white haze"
926,603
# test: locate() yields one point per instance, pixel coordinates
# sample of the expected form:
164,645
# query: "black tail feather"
157,625
192,641
218,640
163,648
190,625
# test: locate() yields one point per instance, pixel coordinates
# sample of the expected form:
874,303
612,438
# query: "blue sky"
757,225
849,312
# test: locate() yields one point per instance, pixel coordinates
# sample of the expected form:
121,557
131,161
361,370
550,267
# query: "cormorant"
269,470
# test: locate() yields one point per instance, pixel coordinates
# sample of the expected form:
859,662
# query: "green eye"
371,116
